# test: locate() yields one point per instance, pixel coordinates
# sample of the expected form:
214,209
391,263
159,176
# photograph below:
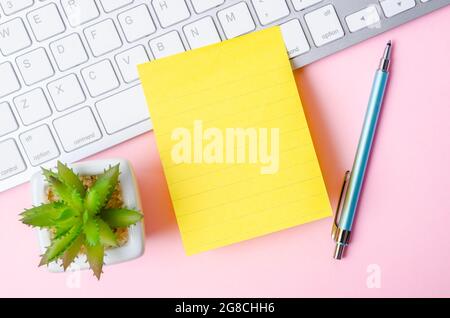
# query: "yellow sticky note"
234,142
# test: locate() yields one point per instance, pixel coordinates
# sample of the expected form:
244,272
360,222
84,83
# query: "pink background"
404,218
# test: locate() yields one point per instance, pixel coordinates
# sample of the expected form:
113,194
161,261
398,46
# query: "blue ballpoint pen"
353,181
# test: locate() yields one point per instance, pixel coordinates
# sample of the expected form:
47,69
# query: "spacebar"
123,110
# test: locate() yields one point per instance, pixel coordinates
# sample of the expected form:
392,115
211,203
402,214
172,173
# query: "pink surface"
403,226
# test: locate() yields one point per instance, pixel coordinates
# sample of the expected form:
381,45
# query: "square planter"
133,248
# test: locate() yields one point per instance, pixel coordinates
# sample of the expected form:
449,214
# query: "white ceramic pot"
135,244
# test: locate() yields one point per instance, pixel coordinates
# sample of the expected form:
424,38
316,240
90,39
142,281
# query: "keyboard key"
79,12
66,92
394,7
46,22
294,38
362,19
137,23
128,60
201,33
324,25
100,78
303,4
167,44
123,110
35,66
77,129
32,106
269,11
236,20
8,79
103,37
118,118
69,52
13,6
170,12
205,5
39,145
11,161
111,5
13,37
8,122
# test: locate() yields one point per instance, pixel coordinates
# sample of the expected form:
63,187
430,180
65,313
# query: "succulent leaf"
45,215
92,202
60,231
91,231
62,227
85,217
48,173
100,193
70,179
72,252
66,194
60,245
65,223
95,256
66,215
107,236
120,217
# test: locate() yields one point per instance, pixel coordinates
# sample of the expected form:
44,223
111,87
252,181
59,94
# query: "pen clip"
340,204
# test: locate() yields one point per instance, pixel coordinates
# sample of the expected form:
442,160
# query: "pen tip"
386,56
339,251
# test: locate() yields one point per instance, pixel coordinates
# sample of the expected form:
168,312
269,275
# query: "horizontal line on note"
249,235
229,166
259,211
223,84
255,109
249,196
257,176
177,113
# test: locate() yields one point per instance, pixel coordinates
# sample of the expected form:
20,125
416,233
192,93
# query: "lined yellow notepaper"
224,190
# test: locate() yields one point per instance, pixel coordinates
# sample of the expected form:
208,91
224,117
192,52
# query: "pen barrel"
363,153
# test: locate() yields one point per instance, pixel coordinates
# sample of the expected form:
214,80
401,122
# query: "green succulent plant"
80,220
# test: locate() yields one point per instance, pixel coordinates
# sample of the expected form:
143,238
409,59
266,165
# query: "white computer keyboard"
68,81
